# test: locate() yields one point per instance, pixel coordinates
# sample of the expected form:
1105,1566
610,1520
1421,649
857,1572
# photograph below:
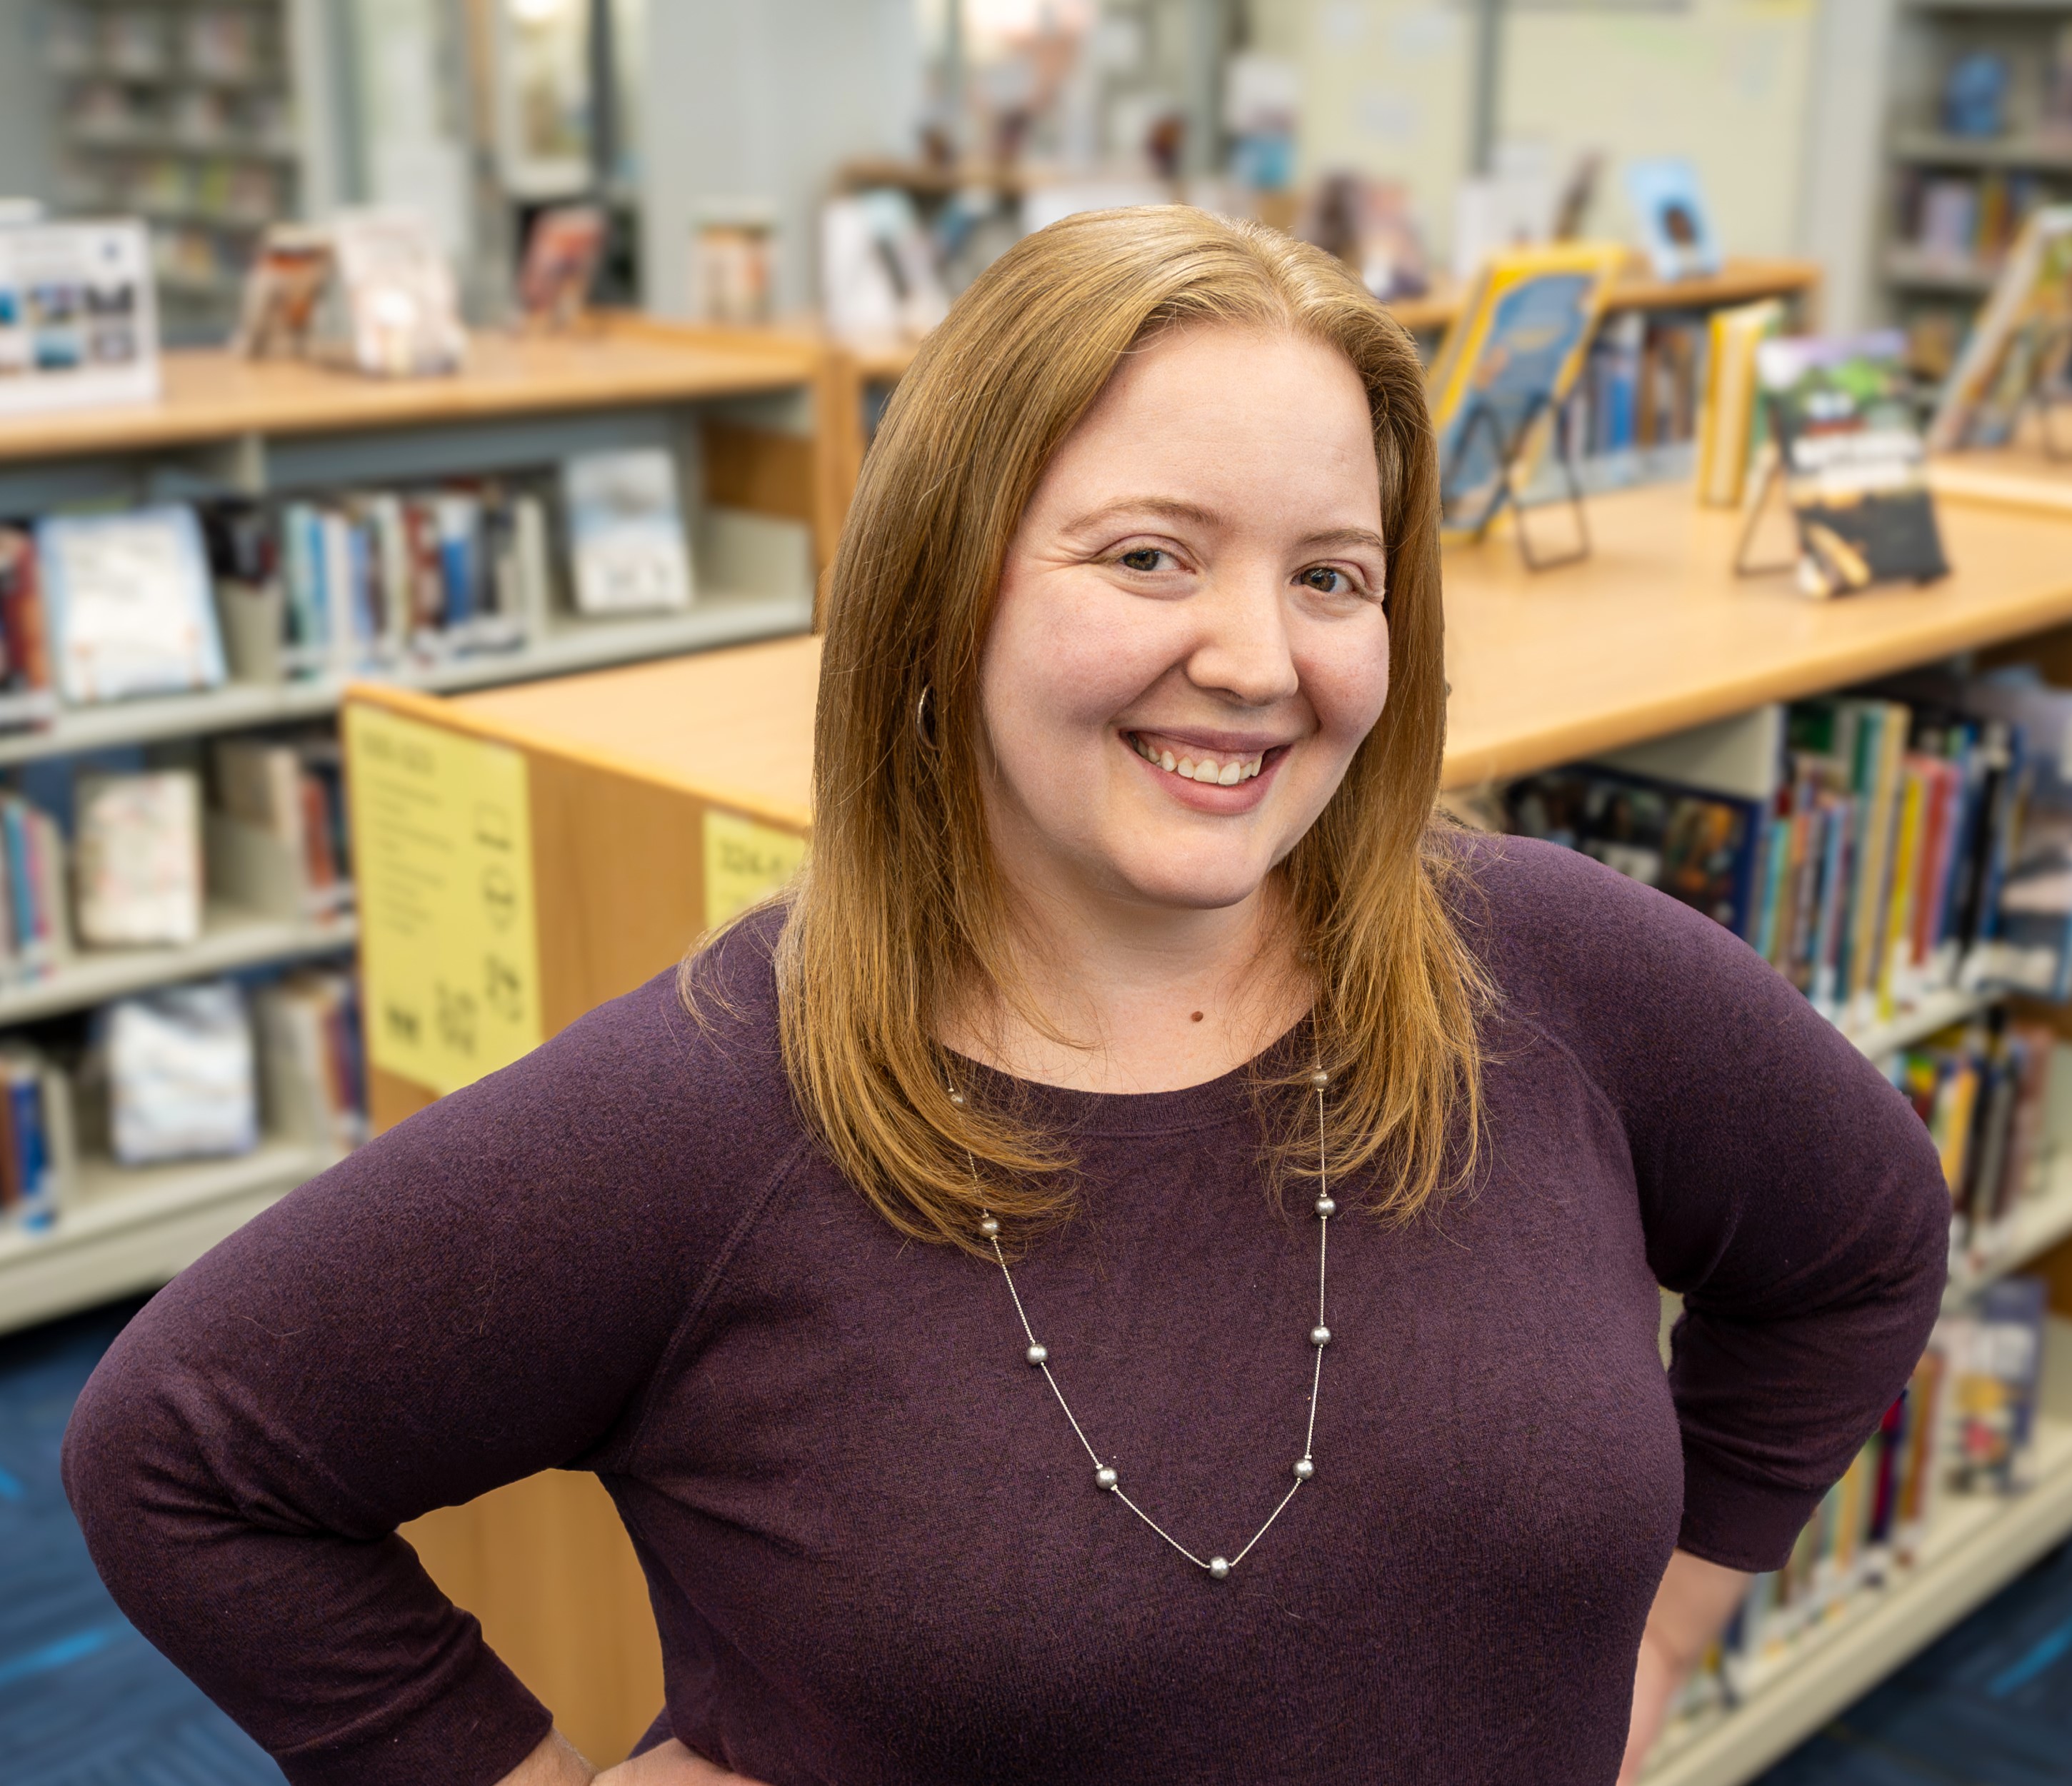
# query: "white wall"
27,125
763,102
1789,162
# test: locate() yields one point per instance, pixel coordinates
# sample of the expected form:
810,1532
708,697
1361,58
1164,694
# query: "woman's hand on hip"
557,1762
668,1763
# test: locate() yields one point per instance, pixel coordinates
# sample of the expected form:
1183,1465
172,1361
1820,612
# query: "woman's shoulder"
1581,948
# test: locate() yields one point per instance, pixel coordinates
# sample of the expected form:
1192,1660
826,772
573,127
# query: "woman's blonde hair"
901,912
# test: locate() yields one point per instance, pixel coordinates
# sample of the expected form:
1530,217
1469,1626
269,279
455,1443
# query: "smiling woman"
1128,917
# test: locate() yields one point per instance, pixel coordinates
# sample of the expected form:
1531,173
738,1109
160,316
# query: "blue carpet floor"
85,1702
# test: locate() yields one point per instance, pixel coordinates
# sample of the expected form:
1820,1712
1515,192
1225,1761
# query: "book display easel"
706,761
740,418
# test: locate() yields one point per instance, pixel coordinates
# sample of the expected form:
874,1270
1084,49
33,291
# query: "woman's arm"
481,1294
1691,1607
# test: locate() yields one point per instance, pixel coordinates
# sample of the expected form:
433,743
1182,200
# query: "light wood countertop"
215,395
1652,634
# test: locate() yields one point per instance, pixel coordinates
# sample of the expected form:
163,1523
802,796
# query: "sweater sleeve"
1787,1192
479,1295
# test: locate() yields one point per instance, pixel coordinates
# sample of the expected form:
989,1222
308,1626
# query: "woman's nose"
1242,650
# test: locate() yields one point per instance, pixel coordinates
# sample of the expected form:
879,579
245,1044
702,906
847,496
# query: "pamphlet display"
2020,345
402,308
79,321
1507,365
1675,229
626,532
1852,461
562,257
129,604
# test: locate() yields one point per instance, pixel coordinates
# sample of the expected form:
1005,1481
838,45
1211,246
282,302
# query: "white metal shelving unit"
1975,1545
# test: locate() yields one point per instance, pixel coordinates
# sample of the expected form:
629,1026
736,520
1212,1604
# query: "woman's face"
1189,643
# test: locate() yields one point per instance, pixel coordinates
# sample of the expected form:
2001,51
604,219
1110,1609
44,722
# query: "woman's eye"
1141,558
1326,581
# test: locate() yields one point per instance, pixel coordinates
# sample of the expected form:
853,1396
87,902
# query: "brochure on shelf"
402,307
1675,228
129,604
79,321
626,532
1850,456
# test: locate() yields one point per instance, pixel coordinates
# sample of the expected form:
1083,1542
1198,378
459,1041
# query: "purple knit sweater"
877,1552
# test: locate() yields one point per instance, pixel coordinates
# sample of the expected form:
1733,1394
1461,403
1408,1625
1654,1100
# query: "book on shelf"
1868,865
401,304
1841,414
180,1074
2020,343
1514,354
129,604
1675,223
1981,1089
26,697
35,925
137,841
627,548
35,1137
290,792
1729,421
312,1064
1994,1354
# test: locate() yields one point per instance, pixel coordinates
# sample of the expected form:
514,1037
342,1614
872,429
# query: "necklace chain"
1105,1476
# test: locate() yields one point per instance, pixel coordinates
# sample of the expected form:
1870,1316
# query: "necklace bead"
1036,1354
1104,1477
1319,1078
989,1228
1219,1568
1305,1469
1320,1335
1327,1207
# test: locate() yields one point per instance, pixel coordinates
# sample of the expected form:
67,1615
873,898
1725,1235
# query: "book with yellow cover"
2019,342
1728,415
1513,355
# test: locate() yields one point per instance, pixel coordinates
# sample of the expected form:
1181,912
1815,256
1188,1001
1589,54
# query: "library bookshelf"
745,417
1652,634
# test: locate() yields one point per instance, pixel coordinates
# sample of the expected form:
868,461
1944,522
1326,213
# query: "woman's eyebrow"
1166,507
1346,536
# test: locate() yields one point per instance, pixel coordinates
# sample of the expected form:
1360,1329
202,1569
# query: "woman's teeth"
1200,769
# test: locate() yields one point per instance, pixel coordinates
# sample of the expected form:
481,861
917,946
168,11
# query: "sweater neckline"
1213,1103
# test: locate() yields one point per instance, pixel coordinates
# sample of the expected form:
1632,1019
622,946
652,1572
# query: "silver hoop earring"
924,720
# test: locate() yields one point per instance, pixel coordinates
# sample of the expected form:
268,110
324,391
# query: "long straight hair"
901,912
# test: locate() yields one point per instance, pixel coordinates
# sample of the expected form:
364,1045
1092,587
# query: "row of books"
1962,220
1980,1088
1639,386
105,111
1965,1423
223,188
187,1073
99,607
141,854
210,43
1871,876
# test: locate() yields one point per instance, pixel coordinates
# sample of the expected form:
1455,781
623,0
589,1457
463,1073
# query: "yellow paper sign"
744,861
443,843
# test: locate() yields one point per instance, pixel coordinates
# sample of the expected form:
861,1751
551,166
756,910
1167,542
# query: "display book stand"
1512,451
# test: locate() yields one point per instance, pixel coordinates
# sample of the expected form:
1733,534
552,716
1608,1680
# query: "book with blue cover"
130,606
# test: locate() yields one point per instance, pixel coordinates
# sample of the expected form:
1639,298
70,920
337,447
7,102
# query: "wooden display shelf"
1739,280
213,396
1654,633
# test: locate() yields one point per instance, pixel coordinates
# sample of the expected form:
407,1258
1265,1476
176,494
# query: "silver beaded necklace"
1038,1354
